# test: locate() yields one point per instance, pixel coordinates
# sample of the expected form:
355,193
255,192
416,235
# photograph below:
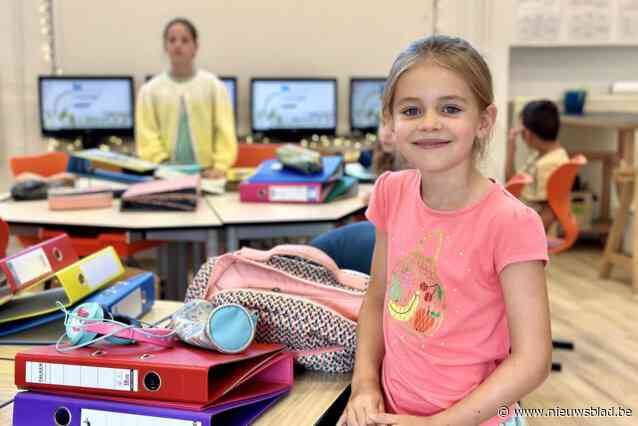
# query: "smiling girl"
455,326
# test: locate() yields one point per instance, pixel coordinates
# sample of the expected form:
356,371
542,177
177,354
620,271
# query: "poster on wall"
575,22
537,21
628,20
588,21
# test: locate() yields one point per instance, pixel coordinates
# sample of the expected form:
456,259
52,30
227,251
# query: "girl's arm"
366,398
225,140
529,364
525,369
148,142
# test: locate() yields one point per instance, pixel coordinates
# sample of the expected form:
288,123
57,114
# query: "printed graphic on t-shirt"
417,295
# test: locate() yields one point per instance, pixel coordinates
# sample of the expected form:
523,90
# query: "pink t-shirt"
444,322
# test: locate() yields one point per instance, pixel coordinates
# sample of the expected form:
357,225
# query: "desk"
310,397
214,214
626,125
269,220
202,225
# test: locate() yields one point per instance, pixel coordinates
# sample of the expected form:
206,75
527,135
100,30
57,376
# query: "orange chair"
56,162
516,184
4,238
559,189
44,164
252,154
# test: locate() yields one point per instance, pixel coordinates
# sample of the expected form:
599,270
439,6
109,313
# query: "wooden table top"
37,212
233,212
606,120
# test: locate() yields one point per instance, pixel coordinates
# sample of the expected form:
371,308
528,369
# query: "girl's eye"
410,111
451,109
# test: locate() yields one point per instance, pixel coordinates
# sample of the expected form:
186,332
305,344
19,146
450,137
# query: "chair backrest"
559,188
42,164
516,184
253,154
4,238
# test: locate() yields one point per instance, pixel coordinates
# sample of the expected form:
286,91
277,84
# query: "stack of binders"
110,165
107,384
33,280
273,183
143,384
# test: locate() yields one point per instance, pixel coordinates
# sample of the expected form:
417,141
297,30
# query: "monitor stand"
90,140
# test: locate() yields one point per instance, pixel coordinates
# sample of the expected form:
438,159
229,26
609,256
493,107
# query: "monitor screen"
365,103
294,105
231,87
73,105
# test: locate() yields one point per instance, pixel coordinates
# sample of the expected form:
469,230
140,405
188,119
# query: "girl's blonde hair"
454,54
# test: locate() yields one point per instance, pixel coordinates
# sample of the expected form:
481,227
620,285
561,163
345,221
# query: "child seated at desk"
538,126
351,246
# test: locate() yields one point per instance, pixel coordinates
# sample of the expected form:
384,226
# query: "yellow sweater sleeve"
225,140
148,142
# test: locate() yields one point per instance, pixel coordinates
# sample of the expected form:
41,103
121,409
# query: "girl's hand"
213,174
364,402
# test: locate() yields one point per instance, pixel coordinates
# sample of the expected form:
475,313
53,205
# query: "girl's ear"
487,120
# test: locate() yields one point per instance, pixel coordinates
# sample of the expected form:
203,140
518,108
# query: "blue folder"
84,167
272,171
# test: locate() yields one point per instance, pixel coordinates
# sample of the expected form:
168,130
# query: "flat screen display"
365,103
86,103
294,104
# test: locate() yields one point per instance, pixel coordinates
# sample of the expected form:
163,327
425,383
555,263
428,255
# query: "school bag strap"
347,278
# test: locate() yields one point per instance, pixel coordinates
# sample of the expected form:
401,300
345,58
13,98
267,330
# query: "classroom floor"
599,316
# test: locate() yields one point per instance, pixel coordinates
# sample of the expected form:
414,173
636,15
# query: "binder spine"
96,376
34,263
280,192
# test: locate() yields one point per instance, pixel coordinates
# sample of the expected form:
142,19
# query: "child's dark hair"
542,118
185,22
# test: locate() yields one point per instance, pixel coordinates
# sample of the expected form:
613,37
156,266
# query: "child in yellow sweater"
184,115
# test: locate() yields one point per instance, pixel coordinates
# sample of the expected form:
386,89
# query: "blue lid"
231,328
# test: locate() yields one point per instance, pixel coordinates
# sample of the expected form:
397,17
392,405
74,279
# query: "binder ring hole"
152,381
57,253
62,416
81,278
146,356
99,352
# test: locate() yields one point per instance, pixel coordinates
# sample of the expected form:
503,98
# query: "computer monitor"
231,87
88,107
292,108
365,103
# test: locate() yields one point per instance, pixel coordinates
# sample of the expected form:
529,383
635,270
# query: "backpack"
303,300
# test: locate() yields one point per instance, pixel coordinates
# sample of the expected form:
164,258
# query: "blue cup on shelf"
575,102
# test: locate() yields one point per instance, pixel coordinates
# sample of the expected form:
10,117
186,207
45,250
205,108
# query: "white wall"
552,70
20,62
274,38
